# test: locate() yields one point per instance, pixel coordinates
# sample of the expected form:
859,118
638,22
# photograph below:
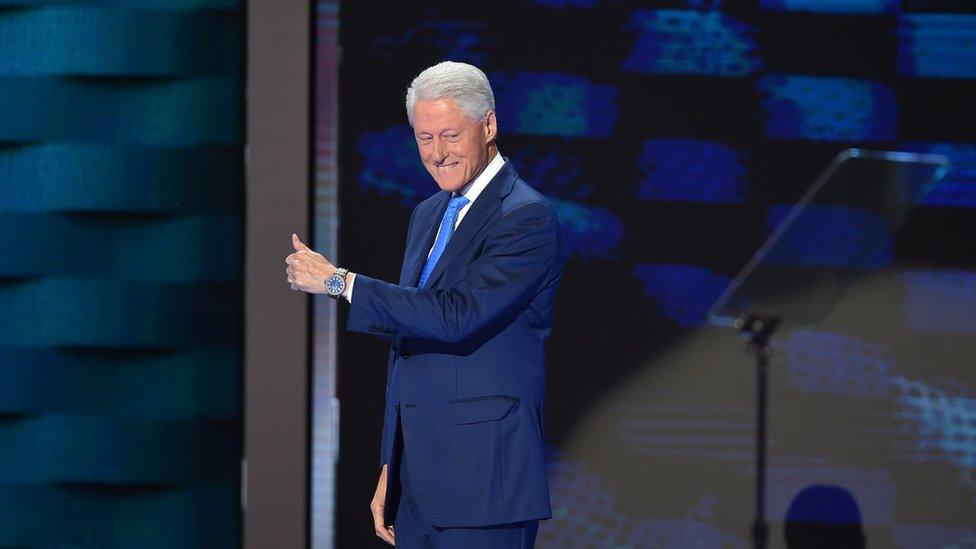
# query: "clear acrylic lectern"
857,204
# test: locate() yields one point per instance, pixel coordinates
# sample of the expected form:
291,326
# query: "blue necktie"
443,235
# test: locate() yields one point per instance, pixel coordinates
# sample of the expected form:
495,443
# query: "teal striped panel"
97,450
163,384
176,5
82,177
68,516
176,249
66,40
169,112
103,313
121,177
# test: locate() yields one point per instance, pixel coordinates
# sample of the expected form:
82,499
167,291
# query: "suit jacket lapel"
416,256
480,212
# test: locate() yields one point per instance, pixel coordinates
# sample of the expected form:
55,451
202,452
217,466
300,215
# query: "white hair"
462,83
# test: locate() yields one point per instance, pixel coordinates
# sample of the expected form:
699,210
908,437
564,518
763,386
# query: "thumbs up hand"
307,270
298,244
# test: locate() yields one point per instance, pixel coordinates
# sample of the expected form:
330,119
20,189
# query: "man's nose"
440,150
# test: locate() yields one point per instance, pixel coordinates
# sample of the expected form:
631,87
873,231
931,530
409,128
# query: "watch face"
335,285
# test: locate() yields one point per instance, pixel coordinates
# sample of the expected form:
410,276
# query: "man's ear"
491,127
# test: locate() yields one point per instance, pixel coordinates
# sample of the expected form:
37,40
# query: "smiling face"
453,147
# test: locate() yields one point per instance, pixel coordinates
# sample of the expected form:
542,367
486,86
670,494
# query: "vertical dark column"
276,327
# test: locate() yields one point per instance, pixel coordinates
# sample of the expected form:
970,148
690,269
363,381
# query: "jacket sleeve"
389,422
521,255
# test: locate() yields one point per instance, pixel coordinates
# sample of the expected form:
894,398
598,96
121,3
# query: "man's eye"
423,139
451,137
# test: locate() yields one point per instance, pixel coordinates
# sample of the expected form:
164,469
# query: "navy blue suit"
466,375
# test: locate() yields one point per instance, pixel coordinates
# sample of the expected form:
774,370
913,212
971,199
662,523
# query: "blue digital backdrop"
672,137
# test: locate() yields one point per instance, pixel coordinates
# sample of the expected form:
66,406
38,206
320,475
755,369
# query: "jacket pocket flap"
476,410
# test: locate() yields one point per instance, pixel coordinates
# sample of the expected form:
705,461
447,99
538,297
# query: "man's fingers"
297,257
382,531
297,243
386,536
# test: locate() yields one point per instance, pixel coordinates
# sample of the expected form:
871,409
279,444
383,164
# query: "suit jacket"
466,375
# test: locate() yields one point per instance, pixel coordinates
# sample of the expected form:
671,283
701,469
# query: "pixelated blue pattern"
704,431
585,514
841,365
828,109
691,170
439,36
958,187
550,103
832,6
836,364
948,423
588,232
691,42
682,292
391,165
459,40
551,170
940,301
932,535
937,45
566,3
830,236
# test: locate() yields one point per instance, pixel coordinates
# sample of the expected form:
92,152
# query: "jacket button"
404,354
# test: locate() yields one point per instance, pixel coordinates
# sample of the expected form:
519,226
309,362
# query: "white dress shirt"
471,191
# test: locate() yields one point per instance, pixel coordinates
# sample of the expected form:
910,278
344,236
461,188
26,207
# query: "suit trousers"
413,531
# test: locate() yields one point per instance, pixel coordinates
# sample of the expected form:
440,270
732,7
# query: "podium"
857,204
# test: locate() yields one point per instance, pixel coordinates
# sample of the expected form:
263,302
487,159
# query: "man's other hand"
383,531
307,270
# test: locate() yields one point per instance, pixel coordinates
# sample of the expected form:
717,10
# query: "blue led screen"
672,137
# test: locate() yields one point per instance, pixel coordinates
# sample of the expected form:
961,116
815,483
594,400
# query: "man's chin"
449,186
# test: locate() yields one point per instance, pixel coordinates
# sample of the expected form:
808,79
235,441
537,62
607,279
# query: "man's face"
453,147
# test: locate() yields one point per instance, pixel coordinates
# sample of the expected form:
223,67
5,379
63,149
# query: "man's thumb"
298,243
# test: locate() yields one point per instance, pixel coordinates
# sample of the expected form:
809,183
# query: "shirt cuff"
347,293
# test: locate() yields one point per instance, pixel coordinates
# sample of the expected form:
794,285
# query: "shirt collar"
474,188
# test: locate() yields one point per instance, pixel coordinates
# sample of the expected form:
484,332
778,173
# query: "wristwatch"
336,284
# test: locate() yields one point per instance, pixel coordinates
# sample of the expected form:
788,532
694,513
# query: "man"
462,452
